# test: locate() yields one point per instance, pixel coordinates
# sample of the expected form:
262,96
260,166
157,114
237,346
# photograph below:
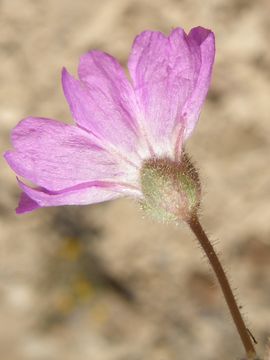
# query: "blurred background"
102,282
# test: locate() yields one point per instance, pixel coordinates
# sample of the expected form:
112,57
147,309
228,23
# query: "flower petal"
82,195
103,100
26,204
158,70
166,72
55,156
204,40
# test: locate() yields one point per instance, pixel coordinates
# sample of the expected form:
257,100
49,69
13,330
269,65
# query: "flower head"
122,126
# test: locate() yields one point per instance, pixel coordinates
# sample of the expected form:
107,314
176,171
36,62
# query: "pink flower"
120,124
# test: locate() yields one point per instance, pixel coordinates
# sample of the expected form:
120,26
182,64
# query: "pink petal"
103,100
204,40
167,73
26,204
81,195
55,156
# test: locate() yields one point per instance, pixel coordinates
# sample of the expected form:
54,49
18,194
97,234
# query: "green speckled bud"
171,189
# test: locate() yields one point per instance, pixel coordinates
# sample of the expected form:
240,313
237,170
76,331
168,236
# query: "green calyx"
171,189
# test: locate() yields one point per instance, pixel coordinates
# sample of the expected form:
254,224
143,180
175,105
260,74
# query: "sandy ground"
102,282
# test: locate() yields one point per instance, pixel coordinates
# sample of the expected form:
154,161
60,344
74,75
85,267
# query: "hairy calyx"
171,189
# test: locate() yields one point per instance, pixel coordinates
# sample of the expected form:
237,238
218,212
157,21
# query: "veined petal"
80,195
166,72
204,40
161,81
55,156
103,100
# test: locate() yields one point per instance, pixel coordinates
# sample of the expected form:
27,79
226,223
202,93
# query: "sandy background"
101,282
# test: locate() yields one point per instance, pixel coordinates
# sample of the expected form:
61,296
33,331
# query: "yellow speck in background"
70,249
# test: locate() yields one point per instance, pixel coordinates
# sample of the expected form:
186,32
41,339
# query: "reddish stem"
225,286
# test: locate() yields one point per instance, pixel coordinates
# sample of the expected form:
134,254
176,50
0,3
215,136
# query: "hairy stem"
225,286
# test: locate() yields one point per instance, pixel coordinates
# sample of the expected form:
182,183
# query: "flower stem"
225,286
